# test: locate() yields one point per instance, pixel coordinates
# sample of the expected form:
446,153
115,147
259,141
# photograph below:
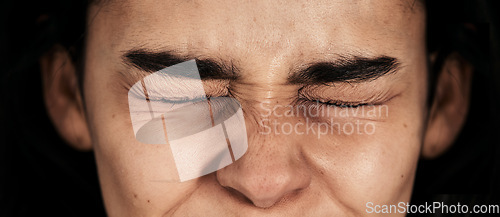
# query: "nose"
270,171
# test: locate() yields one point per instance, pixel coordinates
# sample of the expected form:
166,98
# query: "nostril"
264,179
263,187
238,195
264,193
264,203
241,197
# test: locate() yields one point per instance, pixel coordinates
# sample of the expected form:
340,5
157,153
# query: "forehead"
268,27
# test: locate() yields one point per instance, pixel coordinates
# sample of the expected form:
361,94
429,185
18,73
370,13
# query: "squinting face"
334,57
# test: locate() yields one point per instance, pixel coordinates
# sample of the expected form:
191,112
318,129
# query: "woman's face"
364,61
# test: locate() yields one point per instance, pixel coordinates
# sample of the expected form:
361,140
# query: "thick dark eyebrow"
345,69
152,61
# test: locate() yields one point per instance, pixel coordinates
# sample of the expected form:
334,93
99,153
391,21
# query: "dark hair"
41,172
468,172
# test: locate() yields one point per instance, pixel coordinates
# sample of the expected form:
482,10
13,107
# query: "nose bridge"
272,167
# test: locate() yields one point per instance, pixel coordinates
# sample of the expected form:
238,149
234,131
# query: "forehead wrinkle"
275,38
276,30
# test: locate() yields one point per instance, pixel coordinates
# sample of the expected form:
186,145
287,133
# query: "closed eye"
343,104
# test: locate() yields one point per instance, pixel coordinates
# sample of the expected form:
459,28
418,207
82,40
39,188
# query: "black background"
40,175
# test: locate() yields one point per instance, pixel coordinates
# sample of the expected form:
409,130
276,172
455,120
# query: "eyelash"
342,104
305,102
219,108
165,100
308,101
215,104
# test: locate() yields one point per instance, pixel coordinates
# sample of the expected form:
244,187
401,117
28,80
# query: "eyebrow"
344,69
151,61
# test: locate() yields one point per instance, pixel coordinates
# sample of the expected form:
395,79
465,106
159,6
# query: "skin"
280,175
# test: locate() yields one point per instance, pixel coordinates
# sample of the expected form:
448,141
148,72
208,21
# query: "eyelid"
372,98
352,94
182,87
336,103
182,99
185,88
344,104
332,100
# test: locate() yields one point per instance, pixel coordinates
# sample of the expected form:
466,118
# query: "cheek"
376,167
136,178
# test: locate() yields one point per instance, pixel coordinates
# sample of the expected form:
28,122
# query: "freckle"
148,201
135,195
402,176
404,125
113,116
